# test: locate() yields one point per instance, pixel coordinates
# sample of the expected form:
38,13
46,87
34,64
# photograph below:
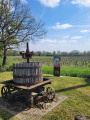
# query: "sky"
67,23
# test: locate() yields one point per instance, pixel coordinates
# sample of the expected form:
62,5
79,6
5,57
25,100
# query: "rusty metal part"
42,105
27,76
41,97
50,93
27,67
5,91
44,98
27,54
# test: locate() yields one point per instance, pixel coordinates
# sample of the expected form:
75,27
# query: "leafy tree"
38,53
12,53
75,53
17,25
54,53
58,52
64,54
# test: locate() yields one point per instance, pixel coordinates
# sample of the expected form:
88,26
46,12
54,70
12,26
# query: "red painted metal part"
56,71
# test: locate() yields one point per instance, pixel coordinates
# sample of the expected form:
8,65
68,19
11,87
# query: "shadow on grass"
4,115
13,105
87,80
47,76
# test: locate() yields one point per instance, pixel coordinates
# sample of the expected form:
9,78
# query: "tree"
17,25
54,53
58,53
64,54
74,53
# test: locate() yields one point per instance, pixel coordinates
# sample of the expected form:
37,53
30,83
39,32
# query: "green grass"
69,71
75,71
47,69
4,115
77,91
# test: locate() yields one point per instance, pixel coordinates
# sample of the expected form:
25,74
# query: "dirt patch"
20,109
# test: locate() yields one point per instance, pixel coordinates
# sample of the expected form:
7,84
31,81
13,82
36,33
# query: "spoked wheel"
50,93
5,91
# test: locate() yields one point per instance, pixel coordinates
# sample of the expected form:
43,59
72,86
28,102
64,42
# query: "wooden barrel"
27,73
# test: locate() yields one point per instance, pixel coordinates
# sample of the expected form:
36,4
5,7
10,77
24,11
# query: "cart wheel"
50,93
5,91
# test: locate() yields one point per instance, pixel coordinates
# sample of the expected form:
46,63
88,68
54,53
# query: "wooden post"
32,101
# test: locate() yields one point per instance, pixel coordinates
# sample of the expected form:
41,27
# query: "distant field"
70,66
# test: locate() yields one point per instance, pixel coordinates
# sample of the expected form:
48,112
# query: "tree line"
54,53
59,53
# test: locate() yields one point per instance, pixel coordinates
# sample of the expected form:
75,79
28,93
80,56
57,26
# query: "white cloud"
72,41
66,37
48,41
85,3
52,41
50,3
76,37
61,26
85,31
66,26
57,42
63,41
24,1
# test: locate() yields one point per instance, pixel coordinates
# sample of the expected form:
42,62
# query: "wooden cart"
49,94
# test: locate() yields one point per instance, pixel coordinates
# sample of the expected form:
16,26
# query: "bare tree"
17,25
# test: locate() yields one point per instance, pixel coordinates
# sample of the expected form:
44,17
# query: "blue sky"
67,23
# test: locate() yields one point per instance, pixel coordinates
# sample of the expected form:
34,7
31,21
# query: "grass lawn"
69,71
77,91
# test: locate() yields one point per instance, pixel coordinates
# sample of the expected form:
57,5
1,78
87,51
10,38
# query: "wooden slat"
27,73
37,85
10,83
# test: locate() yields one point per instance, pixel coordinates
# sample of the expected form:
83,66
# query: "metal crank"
50,93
